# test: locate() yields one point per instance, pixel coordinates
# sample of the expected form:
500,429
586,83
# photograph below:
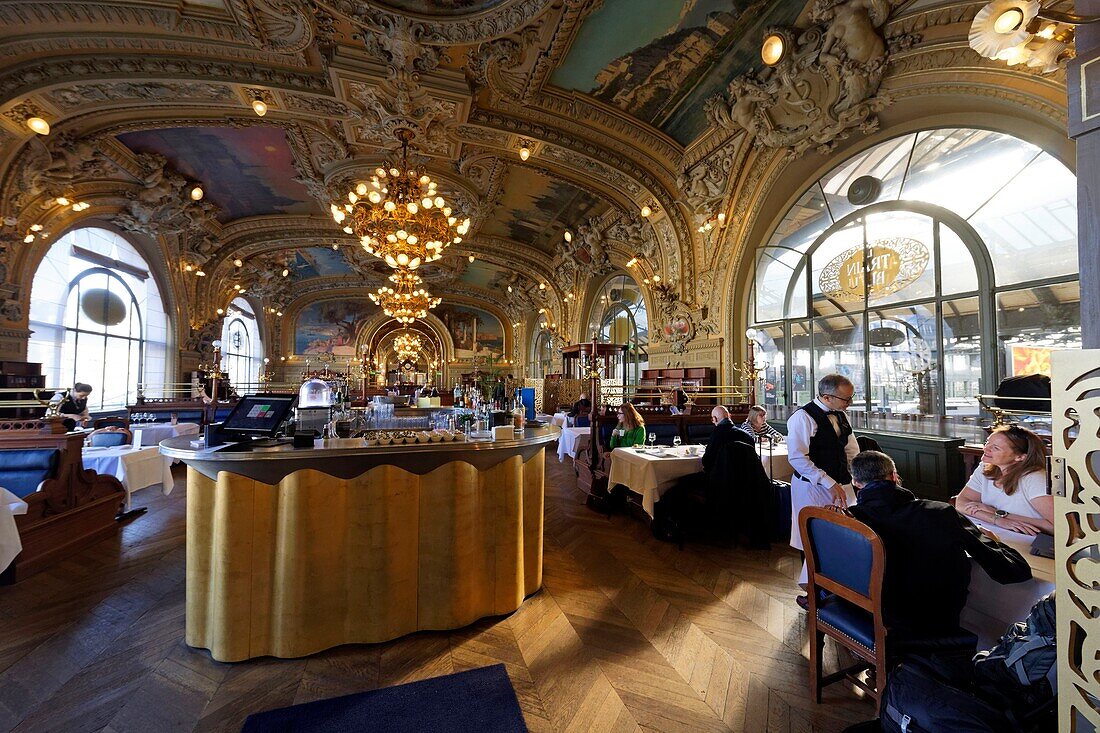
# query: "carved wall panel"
1076,406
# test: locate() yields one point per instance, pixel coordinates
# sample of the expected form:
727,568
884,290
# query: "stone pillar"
1083,81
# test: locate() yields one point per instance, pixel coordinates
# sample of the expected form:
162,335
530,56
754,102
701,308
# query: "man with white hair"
820,445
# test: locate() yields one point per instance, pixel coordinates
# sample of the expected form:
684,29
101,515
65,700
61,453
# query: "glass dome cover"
314,393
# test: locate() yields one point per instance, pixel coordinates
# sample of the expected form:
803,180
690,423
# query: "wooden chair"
118,421
846,558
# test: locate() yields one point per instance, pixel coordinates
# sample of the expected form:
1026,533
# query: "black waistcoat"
826,447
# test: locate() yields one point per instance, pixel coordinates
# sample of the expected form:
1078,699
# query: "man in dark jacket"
725,432
927,544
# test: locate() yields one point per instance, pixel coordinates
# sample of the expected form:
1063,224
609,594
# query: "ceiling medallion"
407,301
399,216
407,345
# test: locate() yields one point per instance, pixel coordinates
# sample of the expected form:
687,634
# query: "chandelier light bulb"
28,239
197,193
36,227
259,107
374,197
38,125
380,172
361,189
1008,21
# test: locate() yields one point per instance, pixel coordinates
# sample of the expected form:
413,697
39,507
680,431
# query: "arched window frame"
603,313
800,286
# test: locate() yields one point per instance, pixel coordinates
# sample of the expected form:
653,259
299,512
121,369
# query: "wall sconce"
715,221
1023,32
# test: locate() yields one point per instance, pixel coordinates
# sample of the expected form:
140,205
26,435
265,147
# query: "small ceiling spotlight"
238,263
632,261
286,271
568,236
259,107
36,227
28,239
200,273
471,258
646,211
197,193
38,125
62,201
221,311
524,153
773,49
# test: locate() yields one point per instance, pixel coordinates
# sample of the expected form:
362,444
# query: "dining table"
653,471
154,432
136,467
10,544
561,420
572,441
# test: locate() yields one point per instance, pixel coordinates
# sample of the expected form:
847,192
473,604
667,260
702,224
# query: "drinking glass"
652,439
676,441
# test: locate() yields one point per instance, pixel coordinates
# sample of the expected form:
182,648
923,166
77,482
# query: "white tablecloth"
136,469
153,433
992,607
652,474
10,545
561,420
573,440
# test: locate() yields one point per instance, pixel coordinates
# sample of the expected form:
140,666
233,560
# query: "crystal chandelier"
407,345
399,216
407,301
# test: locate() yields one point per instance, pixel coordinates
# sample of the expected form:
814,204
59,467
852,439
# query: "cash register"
253,423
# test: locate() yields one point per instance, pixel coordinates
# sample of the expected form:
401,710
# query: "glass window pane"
804,223
802,378
904,357
833,264
1032,323
886,162
901,256
961,169
776,273
962,360
768,356
838,348
1030,226
957,271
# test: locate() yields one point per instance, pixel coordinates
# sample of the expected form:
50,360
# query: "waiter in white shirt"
820,445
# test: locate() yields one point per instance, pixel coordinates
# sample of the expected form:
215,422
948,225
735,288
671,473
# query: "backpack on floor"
918,699
1019,671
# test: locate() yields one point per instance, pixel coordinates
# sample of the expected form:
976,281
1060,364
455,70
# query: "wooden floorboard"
628,634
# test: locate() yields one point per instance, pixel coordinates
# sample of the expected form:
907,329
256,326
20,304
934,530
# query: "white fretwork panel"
1076,404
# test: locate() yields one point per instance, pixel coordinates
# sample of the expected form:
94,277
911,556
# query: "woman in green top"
630,430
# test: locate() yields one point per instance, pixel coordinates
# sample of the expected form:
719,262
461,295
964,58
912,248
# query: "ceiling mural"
245,171
661,60
537,210
317,262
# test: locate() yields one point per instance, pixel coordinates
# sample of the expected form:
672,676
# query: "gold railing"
720,393
1001,415
37,401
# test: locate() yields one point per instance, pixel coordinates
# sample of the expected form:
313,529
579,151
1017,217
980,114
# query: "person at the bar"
820,444
1009,487
756,425
928,547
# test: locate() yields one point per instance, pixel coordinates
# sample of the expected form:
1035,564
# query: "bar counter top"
349,457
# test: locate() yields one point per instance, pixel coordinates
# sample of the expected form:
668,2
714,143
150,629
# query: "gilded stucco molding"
446,30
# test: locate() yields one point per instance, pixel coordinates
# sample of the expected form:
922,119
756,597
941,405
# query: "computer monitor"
258,416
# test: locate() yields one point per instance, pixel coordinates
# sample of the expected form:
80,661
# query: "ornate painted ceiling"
622,104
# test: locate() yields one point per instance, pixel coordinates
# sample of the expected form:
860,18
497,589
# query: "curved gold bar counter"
294,550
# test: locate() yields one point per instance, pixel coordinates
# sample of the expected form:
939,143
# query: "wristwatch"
999,513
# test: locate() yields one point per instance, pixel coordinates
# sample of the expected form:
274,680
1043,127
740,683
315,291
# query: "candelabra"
750,367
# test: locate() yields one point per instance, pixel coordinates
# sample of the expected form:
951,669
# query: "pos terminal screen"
258,415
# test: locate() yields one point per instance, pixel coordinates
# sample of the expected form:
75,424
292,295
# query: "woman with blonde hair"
1009,488
631,428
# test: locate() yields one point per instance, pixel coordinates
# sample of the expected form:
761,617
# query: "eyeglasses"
845,400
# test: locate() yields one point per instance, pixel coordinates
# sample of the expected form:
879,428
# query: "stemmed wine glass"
652,439
676,441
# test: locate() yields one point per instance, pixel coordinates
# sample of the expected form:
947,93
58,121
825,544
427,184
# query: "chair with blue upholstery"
665,431
845,558
109,437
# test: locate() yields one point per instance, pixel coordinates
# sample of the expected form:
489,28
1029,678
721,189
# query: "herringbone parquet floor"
628,633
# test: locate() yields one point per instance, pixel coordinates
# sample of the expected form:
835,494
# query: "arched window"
242,351
619,317
543,363
96,316
926,268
